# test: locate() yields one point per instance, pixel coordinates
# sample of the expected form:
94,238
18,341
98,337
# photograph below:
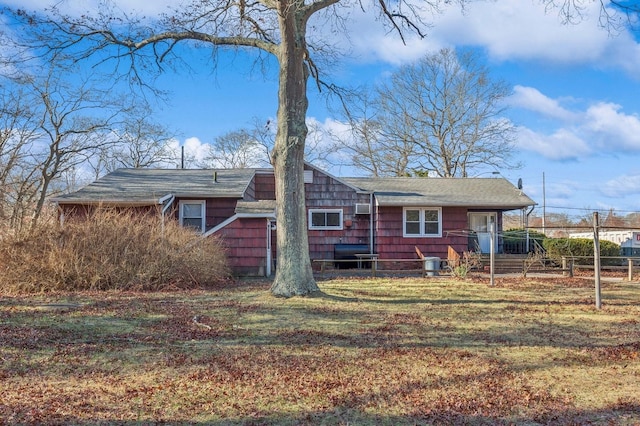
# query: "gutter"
60,214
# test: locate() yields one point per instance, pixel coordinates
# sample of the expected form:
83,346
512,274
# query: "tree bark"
294,276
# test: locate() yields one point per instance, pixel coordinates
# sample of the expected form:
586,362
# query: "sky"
575,92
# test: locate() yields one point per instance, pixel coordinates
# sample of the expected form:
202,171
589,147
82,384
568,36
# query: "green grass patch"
365,352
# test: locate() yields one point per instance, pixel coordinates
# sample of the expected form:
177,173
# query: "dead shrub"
111,250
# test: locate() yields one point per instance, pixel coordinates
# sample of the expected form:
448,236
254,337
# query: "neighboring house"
386,216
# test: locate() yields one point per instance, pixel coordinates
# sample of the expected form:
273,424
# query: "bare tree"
276,27
18,181
57,125
441,115
75,123
319,147
137,142
614,15
367,144
236,149
252,146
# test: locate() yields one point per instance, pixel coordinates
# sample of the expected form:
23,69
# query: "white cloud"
194,151
367,39
602,128
508,30
622,186
513,29
612,128
560,145
533,100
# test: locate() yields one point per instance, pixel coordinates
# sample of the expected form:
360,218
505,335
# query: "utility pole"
544,206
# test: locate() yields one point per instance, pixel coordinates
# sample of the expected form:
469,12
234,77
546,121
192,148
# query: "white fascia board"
238,216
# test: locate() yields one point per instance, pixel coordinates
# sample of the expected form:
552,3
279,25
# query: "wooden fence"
425,267
375,266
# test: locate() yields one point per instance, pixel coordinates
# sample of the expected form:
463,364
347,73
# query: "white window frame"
326,228
422,233
203,212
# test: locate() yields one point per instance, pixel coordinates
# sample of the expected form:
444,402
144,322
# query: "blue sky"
575,93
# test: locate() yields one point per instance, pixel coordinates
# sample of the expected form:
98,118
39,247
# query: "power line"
590,210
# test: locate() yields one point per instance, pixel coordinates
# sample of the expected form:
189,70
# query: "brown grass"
366,352
110,250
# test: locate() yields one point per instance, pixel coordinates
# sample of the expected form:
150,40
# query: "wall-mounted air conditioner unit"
362,208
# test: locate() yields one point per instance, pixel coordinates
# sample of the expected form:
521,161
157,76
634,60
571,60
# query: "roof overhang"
464,205
107,203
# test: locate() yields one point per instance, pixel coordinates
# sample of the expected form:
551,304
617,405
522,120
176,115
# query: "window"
422,222
325,219
308,176
192,214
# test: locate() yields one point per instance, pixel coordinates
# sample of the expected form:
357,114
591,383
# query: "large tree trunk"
293,272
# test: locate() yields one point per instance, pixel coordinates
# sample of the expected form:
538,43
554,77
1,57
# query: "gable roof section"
344,182
147,186
260,208
444,192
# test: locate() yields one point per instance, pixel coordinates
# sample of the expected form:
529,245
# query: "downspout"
371,223
269,243
167,200
60,215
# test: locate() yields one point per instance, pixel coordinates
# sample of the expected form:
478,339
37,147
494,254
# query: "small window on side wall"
192,214
308,176
422,222
325,219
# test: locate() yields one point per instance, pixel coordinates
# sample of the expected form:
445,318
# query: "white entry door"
480,223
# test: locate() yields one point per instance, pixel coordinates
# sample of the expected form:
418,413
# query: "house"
386,216
628,240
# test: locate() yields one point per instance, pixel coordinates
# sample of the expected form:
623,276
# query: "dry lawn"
366,352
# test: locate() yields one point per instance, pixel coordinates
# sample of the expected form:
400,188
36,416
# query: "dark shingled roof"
445,192
261,207
147,186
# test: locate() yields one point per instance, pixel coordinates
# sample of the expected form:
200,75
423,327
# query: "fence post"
492,255
565,272
630,263
596,259
571,266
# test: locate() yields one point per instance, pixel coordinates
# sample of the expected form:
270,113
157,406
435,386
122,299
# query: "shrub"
111,250
470,260
582,248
